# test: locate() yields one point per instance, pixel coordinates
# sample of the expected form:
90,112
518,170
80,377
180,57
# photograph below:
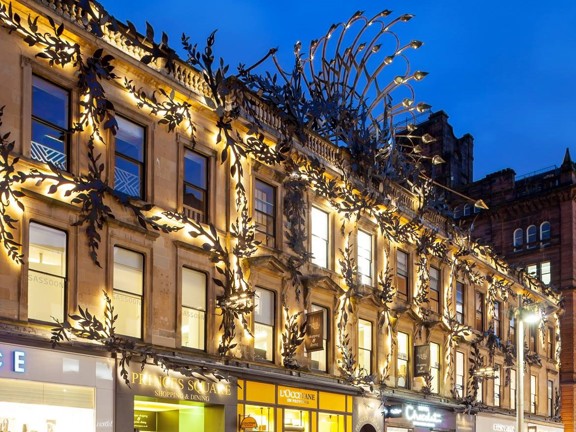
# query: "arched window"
531,236
457,212
545,233
467,209
518,239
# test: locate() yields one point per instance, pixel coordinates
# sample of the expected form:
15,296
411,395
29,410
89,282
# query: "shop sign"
499,427
248,423
393,411
145,420
314,340
422,415
16,360
421,360
297,397
152,381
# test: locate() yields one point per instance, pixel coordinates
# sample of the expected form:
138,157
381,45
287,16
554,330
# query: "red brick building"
531,221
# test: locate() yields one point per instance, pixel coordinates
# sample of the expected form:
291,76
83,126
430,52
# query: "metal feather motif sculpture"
353,88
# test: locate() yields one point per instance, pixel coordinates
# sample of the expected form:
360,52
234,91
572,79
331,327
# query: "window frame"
512,329
325,338
550,342
205,311
115,154
457,212
370,349
513,386
435,368
272,327
435,303
199,215
549,398
404,360
518,239
532,333
315,235
403,275
460,379
460,315
365,279
531,232
65,132
66,277
144,281
545,277
497,385
497,319
545,227
268,239
533,394
479,310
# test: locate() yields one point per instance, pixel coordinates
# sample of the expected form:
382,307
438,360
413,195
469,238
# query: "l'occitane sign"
292,396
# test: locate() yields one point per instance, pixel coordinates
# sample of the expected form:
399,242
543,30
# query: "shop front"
268,407
402,416
503,423
53,391
171,402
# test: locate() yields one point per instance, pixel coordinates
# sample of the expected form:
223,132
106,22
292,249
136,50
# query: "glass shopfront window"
331,422
266,407
37,394
55,407
296,421
264,416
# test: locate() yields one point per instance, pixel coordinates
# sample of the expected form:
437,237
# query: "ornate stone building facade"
182,250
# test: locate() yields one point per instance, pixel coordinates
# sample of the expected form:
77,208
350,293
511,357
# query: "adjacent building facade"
254,285
530,222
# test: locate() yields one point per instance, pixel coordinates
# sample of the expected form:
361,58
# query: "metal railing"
43,153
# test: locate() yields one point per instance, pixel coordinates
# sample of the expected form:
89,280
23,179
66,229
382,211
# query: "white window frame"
320,237
403,272
135,293
365,345
435,355
436,287
533,394
513,385
51,281
460,306
497,386
460,374
365,251
403,358
200,312
269,328
549,398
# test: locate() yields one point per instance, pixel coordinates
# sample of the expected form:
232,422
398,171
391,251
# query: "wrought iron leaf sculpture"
85,325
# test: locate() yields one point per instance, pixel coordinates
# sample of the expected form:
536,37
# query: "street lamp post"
524,317
520,372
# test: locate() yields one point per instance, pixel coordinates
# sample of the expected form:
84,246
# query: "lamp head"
530,316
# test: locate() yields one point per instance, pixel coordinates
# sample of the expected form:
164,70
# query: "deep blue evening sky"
504,71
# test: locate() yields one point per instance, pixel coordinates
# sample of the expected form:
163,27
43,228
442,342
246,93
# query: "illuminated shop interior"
154,414
55,407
